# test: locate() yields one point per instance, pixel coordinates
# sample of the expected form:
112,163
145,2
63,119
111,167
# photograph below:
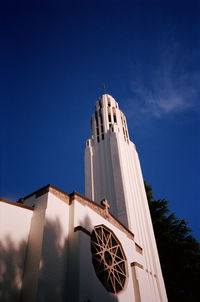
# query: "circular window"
108,259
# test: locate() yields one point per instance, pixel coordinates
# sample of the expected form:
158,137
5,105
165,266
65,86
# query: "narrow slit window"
109,118
115,119
101,119
96,118
98,139
101,128
102,136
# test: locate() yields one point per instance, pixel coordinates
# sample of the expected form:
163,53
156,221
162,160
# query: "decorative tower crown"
107,118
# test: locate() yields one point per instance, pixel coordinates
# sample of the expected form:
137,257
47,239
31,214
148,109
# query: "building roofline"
14,203
99,209
42,191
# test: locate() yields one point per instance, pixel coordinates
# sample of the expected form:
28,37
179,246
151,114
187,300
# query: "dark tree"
178,250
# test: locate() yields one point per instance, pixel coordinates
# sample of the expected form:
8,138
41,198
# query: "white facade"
113,172
55,263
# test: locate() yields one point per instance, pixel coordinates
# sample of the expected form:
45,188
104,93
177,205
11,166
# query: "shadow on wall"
60,266
53,263
11,269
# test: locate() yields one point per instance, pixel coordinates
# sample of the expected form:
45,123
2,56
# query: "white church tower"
75,248
113,172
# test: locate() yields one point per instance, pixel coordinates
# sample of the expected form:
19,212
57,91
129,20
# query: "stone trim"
102,212
153,275
36,193
138,248
42,191
60,194
137,264
142,267
82,229
49,188
16,204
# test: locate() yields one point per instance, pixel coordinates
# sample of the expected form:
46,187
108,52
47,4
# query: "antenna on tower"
104,88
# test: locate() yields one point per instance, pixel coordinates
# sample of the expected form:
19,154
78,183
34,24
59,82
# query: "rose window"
108,259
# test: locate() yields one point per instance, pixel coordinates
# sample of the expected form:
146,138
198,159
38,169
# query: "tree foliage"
178,250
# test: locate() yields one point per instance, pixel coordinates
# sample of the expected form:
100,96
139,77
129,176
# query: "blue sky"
54,57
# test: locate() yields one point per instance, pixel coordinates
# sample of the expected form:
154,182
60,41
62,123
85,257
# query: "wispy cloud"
170,88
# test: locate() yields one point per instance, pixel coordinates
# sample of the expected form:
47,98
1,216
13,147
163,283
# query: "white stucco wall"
53,261
47,249
14,222
14,230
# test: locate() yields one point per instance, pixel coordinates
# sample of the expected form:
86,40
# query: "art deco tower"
113,172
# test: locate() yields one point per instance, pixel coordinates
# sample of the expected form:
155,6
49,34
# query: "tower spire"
104,88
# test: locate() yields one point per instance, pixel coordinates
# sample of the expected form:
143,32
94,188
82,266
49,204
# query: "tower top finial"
104,88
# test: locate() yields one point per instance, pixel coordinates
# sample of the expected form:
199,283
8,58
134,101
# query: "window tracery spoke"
108,259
